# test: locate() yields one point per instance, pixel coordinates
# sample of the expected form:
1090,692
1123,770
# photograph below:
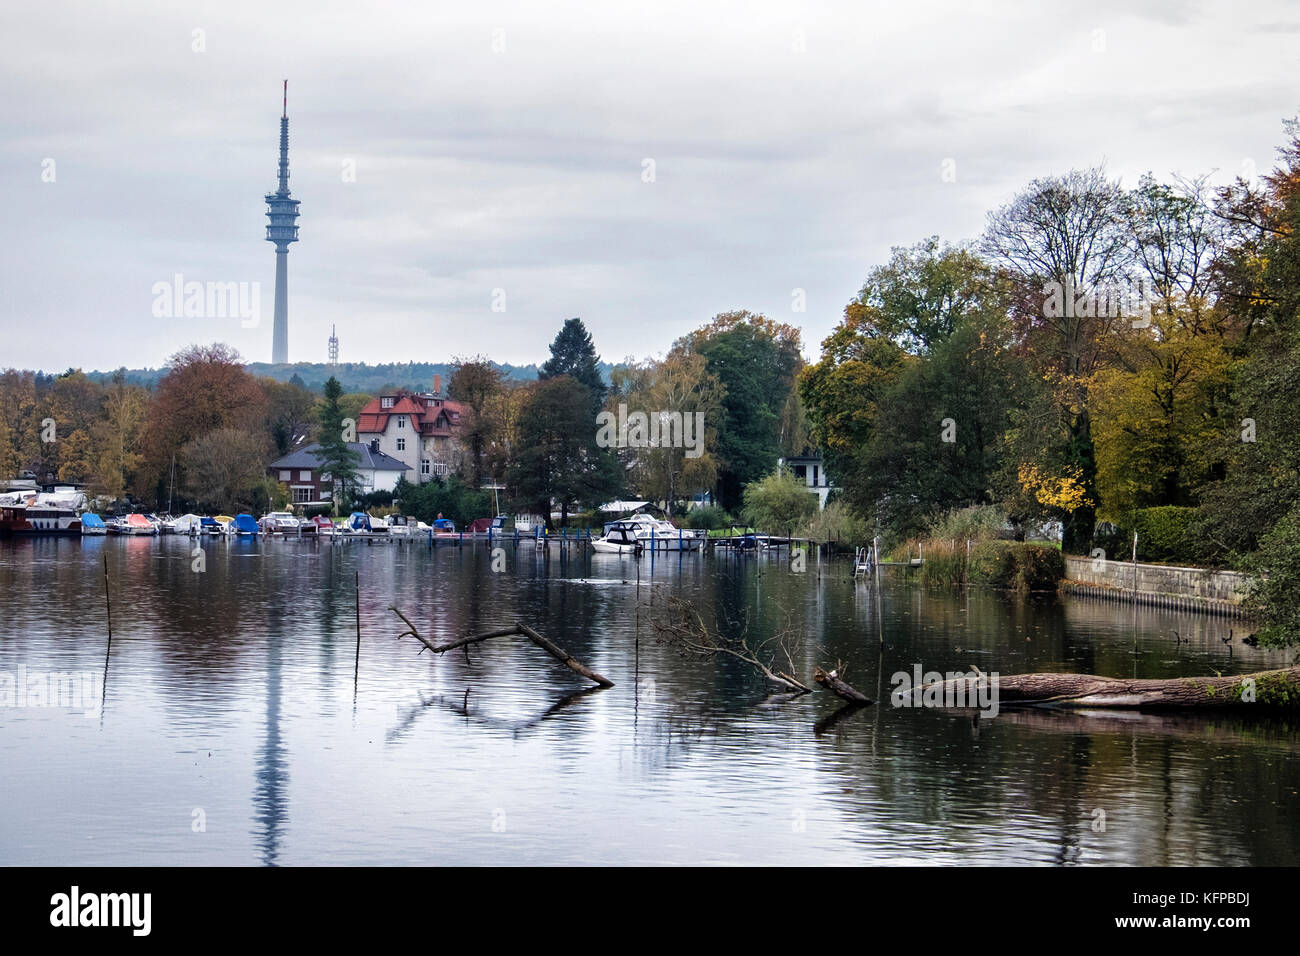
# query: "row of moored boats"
50,514
46,515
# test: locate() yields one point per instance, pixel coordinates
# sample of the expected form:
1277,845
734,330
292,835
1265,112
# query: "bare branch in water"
683,628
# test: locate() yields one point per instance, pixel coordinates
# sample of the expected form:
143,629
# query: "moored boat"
38,519
620,537
186,524
281,522
244,524
320,525
135,524
92,524
659,535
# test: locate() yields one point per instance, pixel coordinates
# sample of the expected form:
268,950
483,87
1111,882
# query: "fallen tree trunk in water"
550,647
832,681
1272,690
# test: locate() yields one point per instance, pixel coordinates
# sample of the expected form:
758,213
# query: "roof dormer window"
386,401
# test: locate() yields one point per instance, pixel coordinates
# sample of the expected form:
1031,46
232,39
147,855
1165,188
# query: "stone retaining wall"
1199,589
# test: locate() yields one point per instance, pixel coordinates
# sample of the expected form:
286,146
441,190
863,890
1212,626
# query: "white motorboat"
279,522
402,526
620,537
659,535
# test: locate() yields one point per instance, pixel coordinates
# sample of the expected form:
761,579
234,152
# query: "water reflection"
485,756
270,800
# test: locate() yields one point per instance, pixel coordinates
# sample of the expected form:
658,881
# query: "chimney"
437,384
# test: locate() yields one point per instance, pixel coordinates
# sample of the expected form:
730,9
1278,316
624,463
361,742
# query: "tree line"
1102,361
202,436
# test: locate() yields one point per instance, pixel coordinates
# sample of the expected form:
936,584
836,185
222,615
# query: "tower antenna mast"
282,229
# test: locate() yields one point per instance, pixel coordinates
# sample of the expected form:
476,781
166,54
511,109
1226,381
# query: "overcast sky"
503,146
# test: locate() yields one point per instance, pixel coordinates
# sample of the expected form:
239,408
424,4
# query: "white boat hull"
601,546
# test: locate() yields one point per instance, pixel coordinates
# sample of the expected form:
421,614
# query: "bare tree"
684,629
1175,239
1066,235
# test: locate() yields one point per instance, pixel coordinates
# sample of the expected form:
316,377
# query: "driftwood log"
550,647
836,684
1272,690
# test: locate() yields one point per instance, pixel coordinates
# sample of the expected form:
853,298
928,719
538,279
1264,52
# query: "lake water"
231,730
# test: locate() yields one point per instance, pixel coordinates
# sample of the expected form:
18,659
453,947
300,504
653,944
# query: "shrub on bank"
944,563
1167,533
1015,566
1276,570
779,504
706,518
978,523
837,523
1006,565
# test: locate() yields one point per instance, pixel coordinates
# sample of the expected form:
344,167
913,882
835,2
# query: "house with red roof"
420,429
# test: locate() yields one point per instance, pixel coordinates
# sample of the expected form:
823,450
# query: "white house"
418,429
810,470
300,473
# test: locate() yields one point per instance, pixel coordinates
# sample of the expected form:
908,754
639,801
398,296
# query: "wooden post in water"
108,607
1135,567
108,649
356,668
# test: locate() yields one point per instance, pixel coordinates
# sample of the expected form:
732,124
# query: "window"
301,494
425,466
304,475
386,402
401,421
401,444
286,474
